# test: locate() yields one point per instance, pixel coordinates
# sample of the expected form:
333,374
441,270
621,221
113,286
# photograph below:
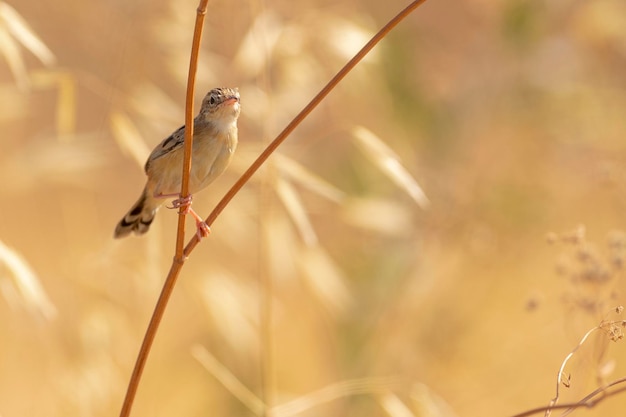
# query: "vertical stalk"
179,258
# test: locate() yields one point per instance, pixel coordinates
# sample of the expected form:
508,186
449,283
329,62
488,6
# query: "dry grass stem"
389,163
614,330
296,210
189,115
258,44
393,406
342,389
31,292
22,32
365,214
14,30
65,84
325,279
371,386
590,401
12,54
228,380
233,306
561,378
299,174
426,403
128,138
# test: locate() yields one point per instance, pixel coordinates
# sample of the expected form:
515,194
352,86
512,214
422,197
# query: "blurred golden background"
462,301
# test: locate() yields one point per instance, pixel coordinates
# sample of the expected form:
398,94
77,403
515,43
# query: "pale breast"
212,152
213,156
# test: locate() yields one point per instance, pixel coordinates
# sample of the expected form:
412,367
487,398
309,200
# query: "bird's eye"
212,100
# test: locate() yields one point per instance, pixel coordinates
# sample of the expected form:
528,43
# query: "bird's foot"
182,203
202,229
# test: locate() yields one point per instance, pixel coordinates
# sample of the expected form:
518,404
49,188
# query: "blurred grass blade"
258,44
332,392
18,27
66,105
394,406
154,104
128,138
385,217
11,52
325,279
65,84
298,173
233,306
48,163
33,295
296,210
389,163
427,404
228,380
346,38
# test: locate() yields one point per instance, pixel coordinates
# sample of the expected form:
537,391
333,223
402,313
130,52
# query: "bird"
215,139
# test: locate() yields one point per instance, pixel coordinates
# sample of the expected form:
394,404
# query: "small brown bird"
214,142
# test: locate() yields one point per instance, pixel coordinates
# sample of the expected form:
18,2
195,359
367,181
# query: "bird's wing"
171,143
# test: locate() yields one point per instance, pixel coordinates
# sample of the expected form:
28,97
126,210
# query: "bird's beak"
231,100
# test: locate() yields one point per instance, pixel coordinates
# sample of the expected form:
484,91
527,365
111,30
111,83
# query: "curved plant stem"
590,400
302,115
179,259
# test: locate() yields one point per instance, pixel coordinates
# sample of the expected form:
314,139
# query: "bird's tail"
138,218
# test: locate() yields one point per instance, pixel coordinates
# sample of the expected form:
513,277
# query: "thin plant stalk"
179,258
191,86
591,400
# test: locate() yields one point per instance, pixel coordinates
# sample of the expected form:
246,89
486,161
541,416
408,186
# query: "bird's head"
221,105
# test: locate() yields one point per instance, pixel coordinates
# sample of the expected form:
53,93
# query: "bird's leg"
184,204
179,202
202,229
